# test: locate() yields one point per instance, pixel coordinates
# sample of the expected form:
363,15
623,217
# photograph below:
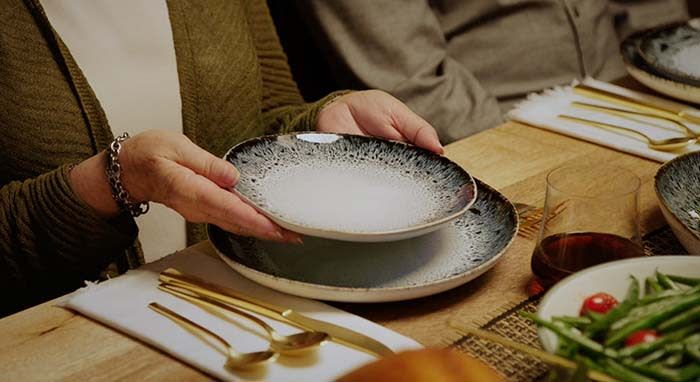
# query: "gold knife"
673,111
338,334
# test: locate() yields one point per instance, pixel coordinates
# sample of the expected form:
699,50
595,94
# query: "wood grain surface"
48,343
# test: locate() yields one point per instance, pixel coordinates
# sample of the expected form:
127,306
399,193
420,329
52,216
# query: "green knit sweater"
235,84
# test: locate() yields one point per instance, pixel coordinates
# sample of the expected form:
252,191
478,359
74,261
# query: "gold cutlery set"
642,110
226,304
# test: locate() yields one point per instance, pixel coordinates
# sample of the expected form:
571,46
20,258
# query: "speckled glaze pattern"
444,186
659,46
450,256
650,76
678,188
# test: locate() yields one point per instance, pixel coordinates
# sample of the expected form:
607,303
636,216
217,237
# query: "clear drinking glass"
591,216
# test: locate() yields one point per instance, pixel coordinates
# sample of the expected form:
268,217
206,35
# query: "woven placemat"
508,323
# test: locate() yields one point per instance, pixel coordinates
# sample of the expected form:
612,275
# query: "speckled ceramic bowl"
677,186
674,51
376,272
349,187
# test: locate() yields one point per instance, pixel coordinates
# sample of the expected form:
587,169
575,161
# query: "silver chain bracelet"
114,175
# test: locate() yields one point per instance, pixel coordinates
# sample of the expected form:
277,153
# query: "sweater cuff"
77,226
309,118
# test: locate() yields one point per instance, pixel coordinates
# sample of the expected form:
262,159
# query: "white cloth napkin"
542,109
121,303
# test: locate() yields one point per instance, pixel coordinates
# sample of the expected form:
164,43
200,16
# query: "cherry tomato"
599,303
642,336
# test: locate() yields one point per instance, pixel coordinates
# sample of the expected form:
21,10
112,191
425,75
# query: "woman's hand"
376,113
167,168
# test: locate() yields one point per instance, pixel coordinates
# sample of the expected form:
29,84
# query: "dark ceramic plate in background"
651,76
376,272
674,51
349,187
677,186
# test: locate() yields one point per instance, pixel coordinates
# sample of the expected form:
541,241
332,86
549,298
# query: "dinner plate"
350,187
640,70
566,297
674,51
677,185
377,272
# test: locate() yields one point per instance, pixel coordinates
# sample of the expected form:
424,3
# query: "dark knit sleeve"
284,109
50,240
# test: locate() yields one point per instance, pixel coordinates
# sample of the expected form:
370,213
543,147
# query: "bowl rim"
659,195
548,296
471,187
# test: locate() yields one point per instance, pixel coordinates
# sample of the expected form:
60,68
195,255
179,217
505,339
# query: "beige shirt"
461,63
125,49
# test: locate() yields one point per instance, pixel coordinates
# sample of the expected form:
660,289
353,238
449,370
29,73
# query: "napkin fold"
542,110
121,303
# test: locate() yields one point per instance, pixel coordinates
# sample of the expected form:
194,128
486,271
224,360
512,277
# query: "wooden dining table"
50,342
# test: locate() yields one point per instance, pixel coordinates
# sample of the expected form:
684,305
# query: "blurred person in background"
462,64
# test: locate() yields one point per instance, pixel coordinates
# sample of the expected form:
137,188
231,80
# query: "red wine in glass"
560,255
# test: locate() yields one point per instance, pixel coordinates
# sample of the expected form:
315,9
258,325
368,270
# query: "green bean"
651,319
666,282
651,357
693,350
652,285
623,373
684,374
570,335
673,360
621,310
573,320
685,318
648,347
654,297
694,339
641,311
690,281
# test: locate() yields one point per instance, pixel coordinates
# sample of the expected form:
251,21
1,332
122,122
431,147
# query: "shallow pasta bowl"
350,187
677,185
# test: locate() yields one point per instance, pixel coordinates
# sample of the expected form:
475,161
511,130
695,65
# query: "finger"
228,211
417,130
206,164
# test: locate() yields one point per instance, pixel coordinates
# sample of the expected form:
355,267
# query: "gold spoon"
670,144
294,344
234,359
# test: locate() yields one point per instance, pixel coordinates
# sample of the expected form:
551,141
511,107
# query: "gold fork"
531,217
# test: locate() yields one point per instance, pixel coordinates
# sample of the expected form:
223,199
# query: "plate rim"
541,332
675,75
650,77
377,236
476,271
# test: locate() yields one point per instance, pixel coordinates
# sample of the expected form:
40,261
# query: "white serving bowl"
566,297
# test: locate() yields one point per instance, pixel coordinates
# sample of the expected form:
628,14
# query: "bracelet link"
114,176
